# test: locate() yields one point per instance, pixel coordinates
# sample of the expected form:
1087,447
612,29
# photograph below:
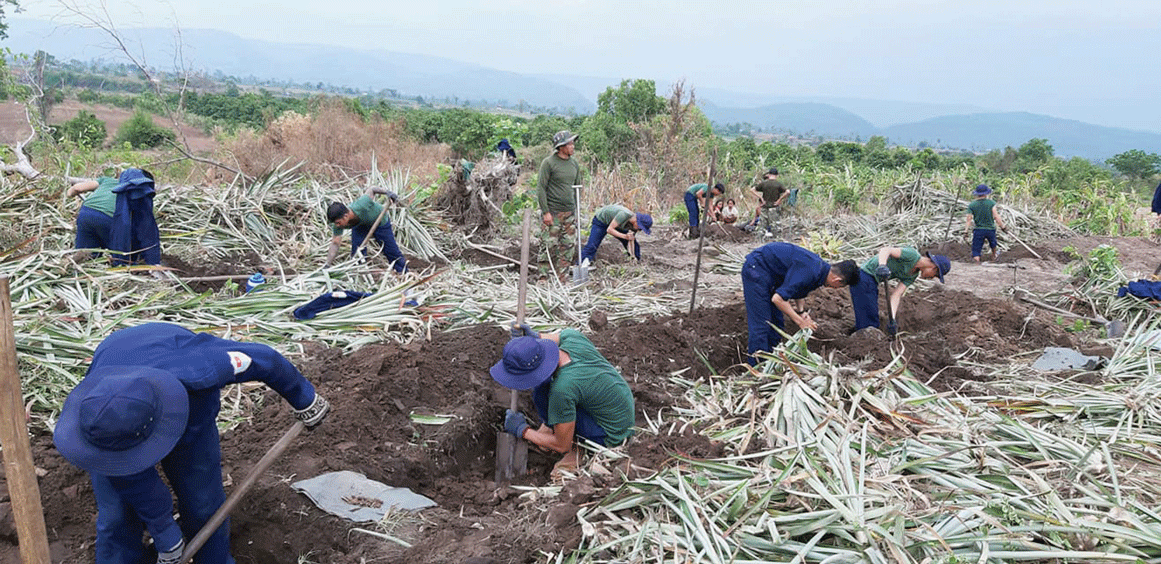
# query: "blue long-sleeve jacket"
203,364
793,271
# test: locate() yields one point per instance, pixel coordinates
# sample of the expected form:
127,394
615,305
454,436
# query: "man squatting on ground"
358,218
559,172
901,263
620,222
984,217
577,392
696,197
152,395
771,195
776,273
118,216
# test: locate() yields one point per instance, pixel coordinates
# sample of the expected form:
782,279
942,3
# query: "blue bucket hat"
942,263
982,190
528,362
644,222
122,424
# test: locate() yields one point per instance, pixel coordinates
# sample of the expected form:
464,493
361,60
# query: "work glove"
393,196
892,327
523,330
882,273
313,414
173,555
515,423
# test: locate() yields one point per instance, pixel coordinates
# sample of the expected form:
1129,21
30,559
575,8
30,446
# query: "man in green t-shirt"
555,193
982,220
359,217
95,218
771,195
904,264
576,391
697,197
620,222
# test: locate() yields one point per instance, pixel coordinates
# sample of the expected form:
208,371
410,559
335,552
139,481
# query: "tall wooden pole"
19,471
701,236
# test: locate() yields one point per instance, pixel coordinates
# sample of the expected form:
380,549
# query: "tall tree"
1135,163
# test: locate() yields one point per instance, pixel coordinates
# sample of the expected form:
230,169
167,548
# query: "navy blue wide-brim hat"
942,264
122,423
527,362
982,190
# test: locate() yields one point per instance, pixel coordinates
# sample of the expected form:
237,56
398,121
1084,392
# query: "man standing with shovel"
555,192
152,395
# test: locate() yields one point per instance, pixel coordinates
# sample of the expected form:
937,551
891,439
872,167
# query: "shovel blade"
511,457
579,274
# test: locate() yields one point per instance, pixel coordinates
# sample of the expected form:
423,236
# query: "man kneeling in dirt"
575,389
773,275
359,218
904,264
620,222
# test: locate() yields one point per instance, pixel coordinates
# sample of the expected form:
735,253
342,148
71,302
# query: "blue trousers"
586,425
758,289
194,471
691,207
93,229
865,300
597,234
386,237
978,238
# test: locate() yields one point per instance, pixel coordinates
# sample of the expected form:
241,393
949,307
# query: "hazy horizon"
1067,58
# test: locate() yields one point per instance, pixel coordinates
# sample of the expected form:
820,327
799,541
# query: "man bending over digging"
577,392
359,217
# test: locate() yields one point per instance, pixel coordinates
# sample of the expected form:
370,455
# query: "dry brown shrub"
334,143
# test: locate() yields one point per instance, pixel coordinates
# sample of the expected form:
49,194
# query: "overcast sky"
1095,61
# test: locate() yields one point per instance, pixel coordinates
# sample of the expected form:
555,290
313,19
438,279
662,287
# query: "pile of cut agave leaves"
828,463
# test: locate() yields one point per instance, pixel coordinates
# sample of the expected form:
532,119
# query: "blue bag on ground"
1142,289
329,300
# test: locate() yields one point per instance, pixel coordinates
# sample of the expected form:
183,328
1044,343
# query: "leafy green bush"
141,133
85,130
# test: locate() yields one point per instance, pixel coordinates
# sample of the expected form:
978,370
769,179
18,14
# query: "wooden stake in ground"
701,236
511,451
19,472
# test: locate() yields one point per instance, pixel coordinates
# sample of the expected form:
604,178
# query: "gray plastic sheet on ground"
1060,358
353,496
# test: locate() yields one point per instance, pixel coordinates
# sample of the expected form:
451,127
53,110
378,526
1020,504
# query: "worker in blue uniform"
772,276
151,395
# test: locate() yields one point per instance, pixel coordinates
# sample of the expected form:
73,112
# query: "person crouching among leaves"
576,391
358,217
621,223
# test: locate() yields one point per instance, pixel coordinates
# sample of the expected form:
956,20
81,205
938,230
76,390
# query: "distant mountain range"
904,123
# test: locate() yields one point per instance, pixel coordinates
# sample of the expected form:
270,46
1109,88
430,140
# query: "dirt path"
947,332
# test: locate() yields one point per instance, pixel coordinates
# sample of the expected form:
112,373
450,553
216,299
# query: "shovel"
580,274
1114,328
235,496
512,452
892,328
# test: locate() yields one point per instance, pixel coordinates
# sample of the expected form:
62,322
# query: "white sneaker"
585,263
768,234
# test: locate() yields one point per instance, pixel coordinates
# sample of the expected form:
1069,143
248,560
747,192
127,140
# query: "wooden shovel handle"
522,292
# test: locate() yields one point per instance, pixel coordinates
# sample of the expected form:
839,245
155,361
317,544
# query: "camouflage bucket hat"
562,138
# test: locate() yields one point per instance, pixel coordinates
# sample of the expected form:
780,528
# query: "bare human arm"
996,218
333,249
804,321
82,187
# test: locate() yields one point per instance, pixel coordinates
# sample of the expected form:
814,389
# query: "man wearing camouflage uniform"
554,191
771,195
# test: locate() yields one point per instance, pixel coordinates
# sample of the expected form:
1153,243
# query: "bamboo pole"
701,235
19,471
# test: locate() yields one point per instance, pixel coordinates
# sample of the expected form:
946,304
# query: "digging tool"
511,451
1114,328
1025,245
19,471
579,272
235,496
701,232
892,327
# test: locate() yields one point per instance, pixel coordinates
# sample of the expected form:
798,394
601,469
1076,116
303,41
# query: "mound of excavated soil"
376,389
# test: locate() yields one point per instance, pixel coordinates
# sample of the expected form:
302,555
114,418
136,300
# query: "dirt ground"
374,391
14,123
